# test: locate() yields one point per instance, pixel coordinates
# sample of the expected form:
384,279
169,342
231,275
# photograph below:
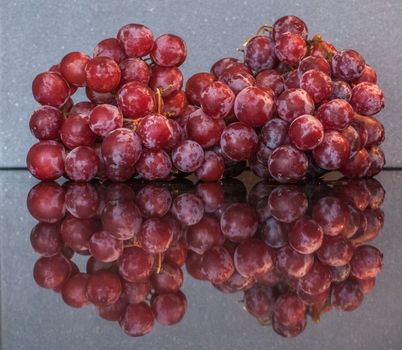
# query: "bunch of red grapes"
293,250
295,107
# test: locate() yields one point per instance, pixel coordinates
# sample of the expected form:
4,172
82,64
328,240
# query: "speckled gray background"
37,33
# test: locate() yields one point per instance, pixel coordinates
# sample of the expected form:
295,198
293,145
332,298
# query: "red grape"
154,165
306,132
259,53
347,65
102,74
104,247
367,99
293,103
75,131
306,236
111,48
238,141
290,48
74,291
45,123
135,100
51,272
72,67
134,69
333,152
105,118
169,50
188,156
49,88
135,264
136,39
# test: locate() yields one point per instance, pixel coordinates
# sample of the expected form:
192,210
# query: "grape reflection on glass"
291,258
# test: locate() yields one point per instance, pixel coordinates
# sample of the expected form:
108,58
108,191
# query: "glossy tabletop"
36,318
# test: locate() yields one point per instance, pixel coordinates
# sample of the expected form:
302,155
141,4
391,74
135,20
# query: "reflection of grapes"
293,251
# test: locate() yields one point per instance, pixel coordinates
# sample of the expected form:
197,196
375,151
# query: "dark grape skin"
154,165
347,65
75,131
135,264
46,202
287,203
100,97
217,265
335,251
221,65
135,100
331,214
358,165
292,263
306,236
122,219
369,75
204,235
270,79
134,69
169,308
122,148
235,283
291,24
154,131
238,141
253,258
340,273
290,331
102,74
195,86
374,128
169,50
347,295
176,255
317,280
45,123
293,103
289,309
137,40
292,80
169,80
275,133
366,262
82,108
188,156
74,291
317,84
46,239
194,266
154,201
239,221
313,62
377,160
175,105
72,67
112,312
306,132
335,114
188,209
50,88
259,53
237,78
259,301
274,233
217,100
367,99
341,90
254,106
333,152
111,48
45,160
77,232
105,118
51,272
287,164
137,320
353,137
135,292
104,247
81,164
203,129
212,168
290,48
168,280
155,236
211,194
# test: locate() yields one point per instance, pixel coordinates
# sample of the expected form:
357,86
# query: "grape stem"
265,28
159,266
159,99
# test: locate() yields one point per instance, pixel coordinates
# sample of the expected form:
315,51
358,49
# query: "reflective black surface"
213,317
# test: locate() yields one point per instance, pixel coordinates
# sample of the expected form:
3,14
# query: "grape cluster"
293,108
293,250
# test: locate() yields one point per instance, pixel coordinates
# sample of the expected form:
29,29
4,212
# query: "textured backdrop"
37,33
